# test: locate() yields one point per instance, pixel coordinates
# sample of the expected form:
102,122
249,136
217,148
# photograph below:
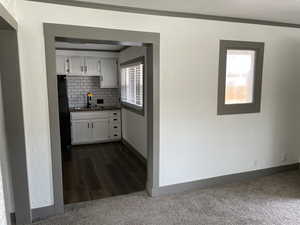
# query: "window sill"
133,108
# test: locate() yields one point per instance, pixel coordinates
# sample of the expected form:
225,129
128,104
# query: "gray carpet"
268,200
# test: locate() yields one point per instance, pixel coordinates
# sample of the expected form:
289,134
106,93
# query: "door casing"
152,42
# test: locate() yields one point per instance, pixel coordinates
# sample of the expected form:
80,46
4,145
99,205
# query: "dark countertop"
94,109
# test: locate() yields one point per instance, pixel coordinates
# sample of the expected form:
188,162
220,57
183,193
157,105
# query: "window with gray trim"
240,77
132,84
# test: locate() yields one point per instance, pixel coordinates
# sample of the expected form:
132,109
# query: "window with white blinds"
132,83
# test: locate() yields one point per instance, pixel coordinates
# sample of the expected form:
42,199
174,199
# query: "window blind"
132,86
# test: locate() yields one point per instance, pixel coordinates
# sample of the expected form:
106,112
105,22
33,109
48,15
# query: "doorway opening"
103,117
122,139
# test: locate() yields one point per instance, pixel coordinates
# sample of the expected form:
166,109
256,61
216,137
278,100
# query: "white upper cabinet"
60,65
92,66
109,73
75,65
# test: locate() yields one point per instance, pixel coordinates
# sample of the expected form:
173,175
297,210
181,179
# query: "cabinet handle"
88,125
85,69
115,135
68,65
115,119
99,67
115,127
81,68
115,113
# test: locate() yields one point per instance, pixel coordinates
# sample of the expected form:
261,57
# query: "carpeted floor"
268,200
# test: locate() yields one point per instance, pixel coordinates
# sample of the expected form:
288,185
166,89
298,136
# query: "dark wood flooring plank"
134,164
130,174
115,172
98,194
101,170
103,174
90,178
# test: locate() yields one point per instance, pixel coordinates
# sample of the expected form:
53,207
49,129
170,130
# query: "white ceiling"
273,10
88,46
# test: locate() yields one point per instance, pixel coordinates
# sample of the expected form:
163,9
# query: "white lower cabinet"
81,132
100,129
95,127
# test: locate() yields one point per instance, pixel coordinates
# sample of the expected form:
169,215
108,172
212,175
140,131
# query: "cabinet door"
109,76
60,65
100,129
81,132
92,66
75,65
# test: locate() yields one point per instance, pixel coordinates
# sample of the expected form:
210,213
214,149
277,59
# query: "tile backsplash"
79,86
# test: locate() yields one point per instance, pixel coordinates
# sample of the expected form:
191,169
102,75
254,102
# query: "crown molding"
94,5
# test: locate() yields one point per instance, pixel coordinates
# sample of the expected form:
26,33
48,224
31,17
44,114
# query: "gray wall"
134,126
14,124
5,178
79,86
12,143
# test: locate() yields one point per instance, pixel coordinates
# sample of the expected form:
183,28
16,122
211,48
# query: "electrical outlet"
255,163
100,101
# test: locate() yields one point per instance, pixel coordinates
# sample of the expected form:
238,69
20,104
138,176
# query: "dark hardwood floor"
101,170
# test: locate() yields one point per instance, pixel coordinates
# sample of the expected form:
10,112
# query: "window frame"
126,105
240,108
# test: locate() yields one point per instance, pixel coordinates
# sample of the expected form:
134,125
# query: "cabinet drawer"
115,120
115,128
116,135
115,114
89,115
